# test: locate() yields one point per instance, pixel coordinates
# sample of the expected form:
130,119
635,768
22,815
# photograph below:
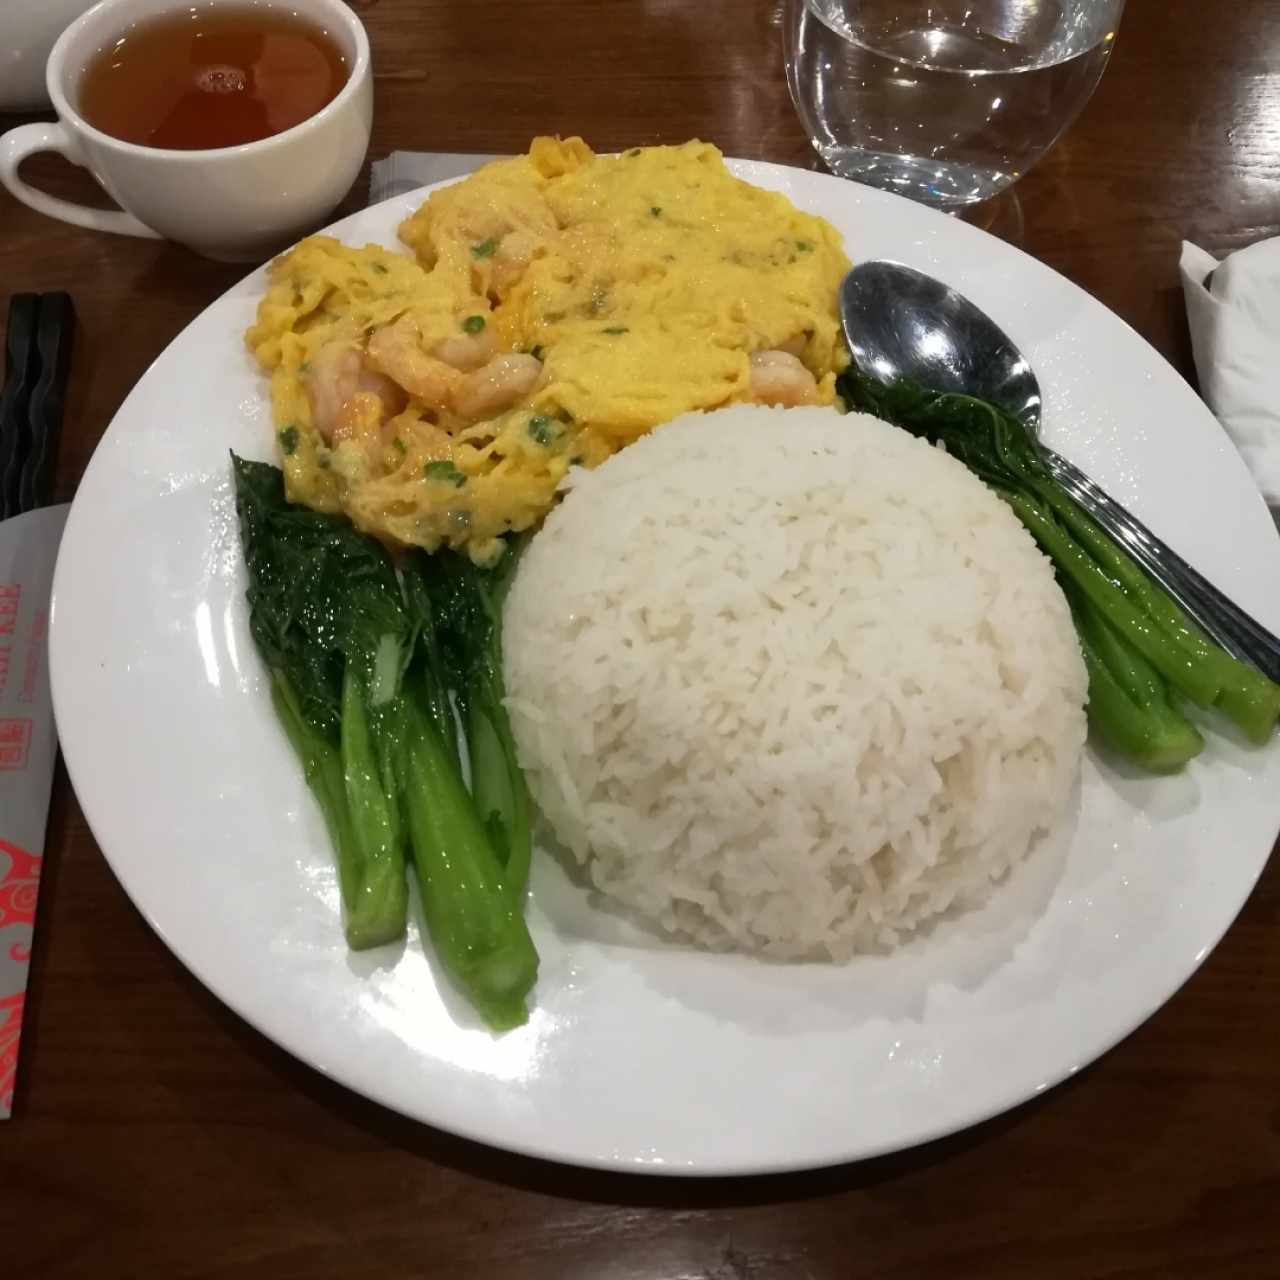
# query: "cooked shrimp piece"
497,386
361,419
778,378
336,376
467,351
396,350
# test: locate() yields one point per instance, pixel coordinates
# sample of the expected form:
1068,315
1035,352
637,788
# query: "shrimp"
361,419
497,386
778,378
462,373
343,392
396,350
467,351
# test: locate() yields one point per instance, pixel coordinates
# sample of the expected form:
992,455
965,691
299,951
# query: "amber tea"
202,78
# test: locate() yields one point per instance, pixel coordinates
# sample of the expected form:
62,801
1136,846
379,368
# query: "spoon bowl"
901,323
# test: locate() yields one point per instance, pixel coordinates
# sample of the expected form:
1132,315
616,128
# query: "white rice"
792,682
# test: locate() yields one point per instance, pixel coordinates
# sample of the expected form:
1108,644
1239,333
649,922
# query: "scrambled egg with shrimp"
558,305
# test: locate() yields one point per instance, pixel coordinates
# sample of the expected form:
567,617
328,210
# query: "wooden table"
156,1135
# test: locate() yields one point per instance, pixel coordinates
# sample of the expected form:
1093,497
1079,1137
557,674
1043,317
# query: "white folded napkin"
1233,308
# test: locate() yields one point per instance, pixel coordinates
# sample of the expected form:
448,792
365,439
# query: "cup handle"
26,140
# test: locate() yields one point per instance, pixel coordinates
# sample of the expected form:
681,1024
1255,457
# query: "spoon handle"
1223,620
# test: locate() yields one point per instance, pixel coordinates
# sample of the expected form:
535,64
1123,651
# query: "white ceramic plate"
638,1055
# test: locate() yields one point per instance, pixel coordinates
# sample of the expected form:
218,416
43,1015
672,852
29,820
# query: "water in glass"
946,101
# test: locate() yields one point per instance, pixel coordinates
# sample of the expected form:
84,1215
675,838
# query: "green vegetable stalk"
474,920
470,851
374,911
1136,640
466,606
1128,703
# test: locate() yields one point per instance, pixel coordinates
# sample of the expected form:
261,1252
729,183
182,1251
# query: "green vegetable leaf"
288,437
484,249
473,324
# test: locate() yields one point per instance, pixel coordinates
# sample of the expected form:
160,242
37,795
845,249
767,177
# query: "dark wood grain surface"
156,1135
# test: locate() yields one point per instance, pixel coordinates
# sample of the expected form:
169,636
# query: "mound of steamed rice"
792,682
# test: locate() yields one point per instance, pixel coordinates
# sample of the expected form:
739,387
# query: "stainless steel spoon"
901,323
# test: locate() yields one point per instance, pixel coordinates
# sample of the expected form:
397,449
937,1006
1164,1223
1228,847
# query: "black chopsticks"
37,361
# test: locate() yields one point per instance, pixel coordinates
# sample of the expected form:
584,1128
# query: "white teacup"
237,204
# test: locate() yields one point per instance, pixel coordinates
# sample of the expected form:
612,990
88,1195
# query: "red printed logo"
18,889
10,1030
15,742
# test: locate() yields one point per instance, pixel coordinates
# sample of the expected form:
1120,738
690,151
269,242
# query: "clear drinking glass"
945,101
